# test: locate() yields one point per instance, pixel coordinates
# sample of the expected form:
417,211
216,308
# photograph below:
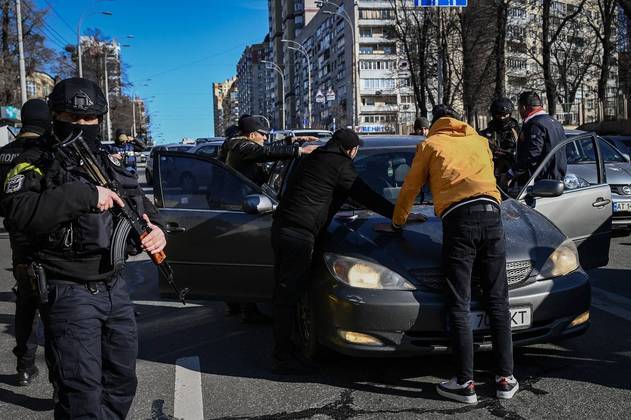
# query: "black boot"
26,376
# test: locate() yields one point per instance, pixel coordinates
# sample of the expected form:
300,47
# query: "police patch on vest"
15,184
114,160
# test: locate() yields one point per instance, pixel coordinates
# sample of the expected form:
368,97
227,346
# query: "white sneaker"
506,386
464,393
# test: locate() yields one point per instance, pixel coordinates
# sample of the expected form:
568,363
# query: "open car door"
215,247
583,210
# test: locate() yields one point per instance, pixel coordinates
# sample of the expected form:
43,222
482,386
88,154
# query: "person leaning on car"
247,152
540,133
458,164
315,191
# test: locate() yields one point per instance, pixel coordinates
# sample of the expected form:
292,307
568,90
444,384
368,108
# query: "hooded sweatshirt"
458,164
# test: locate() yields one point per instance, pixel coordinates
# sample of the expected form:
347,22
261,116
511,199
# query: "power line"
60,16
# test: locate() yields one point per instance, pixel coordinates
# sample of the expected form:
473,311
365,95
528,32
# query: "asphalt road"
194,362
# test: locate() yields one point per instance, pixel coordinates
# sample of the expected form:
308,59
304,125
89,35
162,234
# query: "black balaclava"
90,133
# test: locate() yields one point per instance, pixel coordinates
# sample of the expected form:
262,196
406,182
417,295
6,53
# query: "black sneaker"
506,386
464,393
26,376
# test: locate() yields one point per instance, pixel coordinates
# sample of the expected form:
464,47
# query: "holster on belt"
37,273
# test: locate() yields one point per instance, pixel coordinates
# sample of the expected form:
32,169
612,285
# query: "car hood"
617,173
417,249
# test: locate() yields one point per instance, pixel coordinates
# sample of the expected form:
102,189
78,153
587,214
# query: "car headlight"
364,274
562,261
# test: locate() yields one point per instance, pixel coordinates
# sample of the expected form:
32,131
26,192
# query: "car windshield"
384,170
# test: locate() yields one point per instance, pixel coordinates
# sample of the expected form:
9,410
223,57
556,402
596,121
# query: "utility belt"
37,275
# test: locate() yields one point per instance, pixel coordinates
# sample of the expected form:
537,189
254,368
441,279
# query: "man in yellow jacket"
458,165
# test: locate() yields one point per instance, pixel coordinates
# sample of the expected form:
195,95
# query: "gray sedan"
379,294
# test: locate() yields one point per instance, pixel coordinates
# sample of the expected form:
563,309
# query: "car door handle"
174,228
601,202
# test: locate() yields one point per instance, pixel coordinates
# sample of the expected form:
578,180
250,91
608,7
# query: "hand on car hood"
529,236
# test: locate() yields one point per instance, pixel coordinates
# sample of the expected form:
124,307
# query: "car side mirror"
546,188
258,204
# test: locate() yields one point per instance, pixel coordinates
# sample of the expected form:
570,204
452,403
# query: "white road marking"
167,303
188,403
612,303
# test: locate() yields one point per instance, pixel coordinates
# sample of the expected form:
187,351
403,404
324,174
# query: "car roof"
207,144
174,145
574,132
381,141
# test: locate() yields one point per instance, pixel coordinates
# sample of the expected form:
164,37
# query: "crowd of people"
60,230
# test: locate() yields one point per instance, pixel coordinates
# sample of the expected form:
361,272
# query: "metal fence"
592,110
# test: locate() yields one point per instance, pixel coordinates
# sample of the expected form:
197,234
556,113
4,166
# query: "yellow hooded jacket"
458,164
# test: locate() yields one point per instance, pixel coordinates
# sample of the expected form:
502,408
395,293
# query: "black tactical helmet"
78,96
502,106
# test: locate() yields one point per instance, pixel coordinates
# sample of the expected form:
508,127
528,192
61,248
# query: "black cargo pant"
473,234
92,346
25,319
293,253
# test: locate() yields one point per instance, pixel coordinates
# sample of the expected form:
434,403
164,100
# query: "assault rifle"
76,150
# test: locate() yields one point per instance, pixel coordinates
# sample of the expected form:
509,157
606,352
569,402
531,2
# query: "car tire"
188,183
308,331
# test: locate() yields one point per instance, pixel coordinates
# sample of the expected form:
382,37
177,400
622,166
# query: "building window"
30,88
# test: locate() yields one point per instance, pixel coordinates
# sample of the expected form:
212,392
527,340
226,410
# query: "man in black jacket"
315,191
247,152
540,133
35,122
89,321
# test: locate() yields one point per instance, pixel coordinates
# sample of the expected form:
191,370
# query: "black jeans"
293,253
92,345
471,238
25,319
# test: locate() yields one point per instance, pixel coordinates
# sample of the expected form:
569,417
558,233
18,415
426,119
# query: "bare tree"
499,49
604,30
574,59
37,55
553,17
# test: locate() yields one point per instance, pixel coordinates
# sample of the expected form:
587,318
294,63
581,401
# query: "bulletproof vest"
502,137
10,152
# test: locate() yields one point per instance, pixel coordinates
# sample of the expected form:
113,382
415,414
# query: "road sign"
440,3
330,95
320,98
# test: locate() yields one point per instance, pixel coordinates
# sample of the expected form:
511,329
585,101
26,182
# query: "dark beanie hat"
346,138
421,122
442,110
35,116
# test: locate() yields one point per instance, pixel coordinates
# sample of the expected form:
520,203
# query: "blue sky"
181,46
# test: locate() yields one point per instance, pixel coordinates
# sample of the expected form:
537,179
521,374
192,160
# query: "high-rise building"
220,92
287,18
382,80
95,55
251,81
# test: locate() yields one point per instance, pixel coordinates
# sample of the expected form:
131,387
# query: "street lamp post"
341,12
18,13
276,68
79,25
303,50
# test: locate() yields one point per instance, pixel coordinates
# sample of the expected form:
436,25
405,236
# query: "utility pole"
18,16
303,50
440,64
107,96
277,69
133,115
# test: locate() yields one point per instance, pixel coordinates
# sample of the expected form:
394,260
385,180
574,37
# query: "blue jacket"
537,138
127,151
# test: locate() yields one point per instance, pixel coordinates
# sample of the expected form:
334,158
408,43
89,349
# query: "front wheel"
308,330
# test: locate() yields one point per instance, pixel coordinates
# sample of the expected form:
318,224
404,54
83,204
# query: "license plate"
520,318
621,207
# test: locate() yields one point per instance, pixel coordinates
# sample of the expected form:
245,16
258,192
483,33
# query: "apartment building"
251,80
381,83
221,91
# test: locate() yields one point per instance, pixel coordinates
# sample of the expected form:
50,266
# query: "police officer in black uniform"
35,122
502,134
89,321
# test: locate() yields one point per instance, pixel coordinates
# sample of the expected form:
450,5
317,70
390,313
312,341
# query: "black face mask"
90,133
